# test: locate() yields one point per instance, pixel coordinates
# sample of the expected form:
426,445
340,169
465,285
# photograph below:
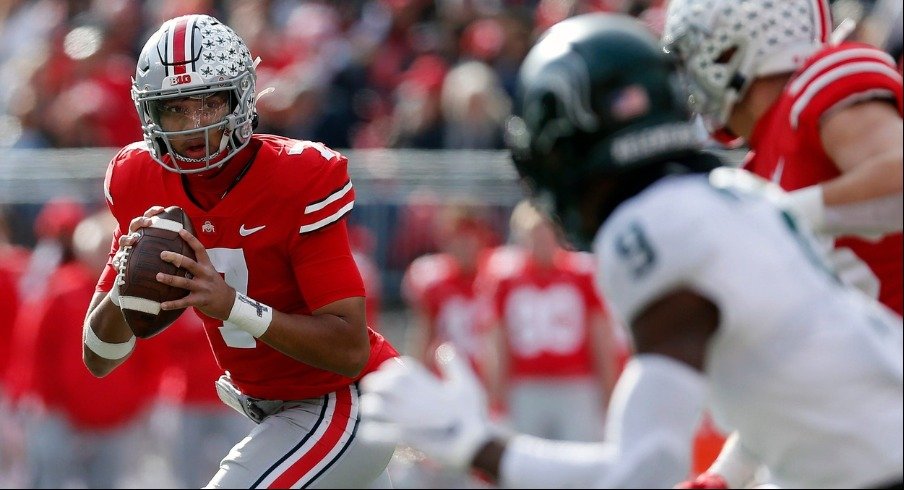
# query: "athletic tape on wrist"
107,350
250,315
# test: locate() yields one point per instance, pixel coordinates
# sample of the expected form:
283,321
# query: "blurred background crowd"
355,75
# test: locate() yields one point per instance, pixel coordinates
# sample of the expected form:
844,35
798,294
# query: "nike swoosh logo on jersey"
247,231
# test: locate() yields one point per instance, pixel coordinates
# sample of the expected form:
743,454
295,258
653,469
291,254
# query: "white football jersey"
808,371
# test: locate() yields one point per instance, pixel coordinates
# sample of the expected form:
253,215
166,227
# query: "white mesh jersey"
809,372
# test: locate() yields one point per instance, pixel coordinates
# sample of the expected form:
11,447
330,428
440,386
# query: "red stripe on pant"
323,446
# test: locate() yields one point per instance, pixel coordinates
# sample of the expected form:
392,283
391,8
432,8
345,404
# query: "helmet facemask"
717,73
199,95
727,44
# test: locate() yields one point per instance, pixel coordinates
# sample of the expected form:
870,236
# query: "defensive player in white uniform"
729,301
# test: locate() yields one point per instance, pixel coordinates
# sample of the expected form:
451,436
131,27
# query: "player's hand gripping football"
126,242
404,403
208,291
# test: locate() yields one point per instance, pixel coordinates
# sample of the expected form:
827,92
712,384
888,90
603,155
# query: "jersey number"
231,263
634,248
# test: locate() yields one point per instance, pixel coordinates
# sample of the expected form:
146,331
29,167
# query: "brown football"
141,293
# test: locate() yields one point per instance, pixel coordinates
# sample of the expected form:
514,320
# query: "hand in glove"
447,419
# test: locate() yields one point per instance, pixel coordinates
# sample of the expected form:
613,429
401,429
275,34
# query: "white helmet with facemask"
727,44
199,58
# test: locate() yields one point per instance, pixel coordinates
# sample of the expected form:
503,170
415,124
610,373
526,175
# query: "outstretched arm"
654,411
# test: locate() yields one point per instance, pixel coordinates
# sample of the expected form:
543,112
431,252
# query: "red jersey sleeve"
324,266
839,77
115,195
332,194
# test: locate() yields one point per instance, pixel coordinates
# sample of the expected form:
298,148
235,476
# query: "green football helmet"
599,114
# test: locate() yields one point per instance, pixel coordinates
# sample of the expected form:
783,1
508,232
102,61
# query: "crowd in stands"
350,74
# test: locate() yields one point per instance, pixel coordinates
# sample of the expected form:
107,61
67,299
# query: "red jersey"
786,146
9,305
50,366
545,313
435,284
278,236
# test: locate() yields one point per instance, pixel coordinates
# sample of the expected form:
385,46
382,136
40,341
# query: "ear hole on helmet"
726,55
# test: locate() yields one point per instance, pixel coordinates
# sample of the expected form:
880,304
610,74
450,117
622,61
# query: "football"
141,293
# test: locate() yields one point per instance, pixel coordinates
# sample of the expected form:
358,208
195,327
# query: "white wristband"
251,316
807,203
106,350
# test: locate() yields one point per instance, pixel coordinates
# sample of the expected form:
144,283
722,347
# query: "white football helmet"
195,56
726,44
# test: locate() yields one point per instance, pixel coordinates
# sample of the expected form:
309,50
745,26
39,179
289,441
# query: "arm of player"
496,366
107,340
655,409
334,337
865,142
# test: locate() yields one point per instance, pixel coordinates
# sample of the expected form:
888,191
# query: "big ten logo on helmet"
180,79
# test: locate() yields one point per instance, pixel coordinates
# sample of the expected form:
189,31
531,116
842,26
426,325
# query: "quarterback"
274,279
730,304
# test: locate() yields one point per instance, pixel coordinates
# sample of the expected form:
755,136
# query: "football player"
440,288
822,118
730,304
553,340
274,281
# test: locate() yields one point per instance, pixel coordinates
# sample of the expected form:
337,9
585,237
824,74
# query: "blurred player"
731,306
553,344
440,288
274,281
822,118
